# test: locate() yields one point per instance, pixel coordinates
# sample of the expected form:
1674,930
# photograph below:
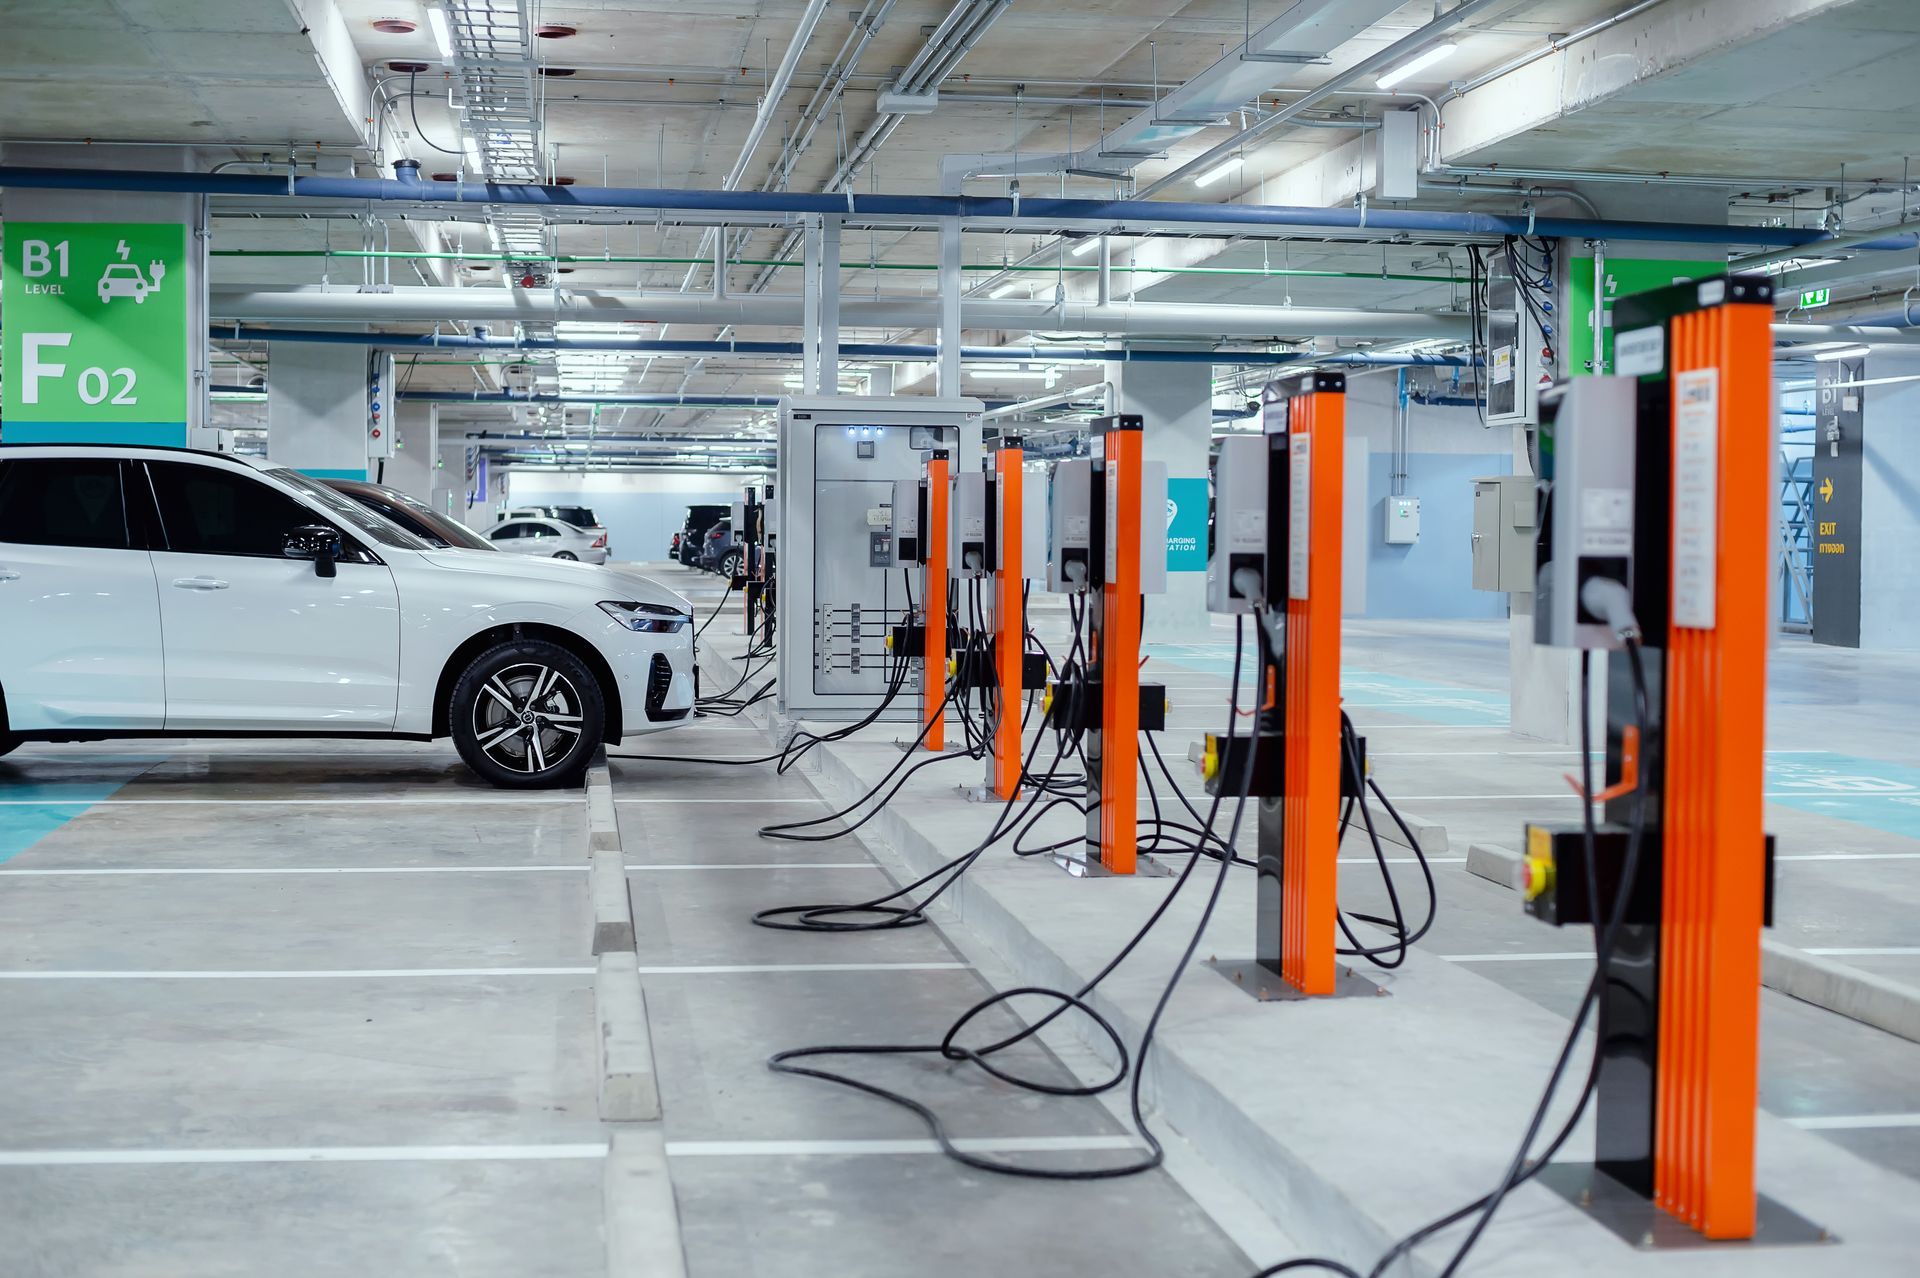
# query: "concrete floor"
327,1008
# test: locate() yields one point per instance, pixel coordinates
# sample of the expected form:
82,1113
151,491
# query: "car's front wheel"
526,714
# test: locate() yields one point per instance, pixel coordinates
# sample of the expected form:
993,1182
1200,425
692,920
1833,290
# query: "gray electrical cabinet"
1503,533
844,464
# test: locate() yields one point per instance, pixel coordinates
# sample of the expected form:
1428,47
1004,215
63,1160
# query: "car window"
206,510
578,516
508,532
63,501
377,527
542,530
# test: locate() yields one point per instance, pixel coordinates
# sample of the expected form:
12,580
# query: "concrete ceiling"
665,91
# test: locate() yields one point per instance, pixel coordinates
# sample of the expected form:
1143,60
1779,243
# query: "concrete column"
829,306
317,408
1175,402
416,456
952,284
810,252
129,366
450,482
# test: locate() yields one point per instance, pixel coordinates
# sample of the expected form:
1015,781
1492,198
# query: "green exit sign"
1815,298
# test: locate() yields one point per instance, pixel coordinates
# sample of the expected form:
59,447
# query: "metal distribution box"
1403,521
842,461
1503,533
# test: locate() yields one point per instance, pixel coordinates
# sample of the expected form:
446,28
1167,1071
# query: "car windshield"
350,512
449,530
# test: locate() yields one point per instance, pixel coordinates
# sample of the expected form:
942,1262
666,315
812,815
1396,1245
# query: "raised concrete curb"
1252,1088
1845,991
1495,864
606,867
629,1092
1866,997
642,1218
1432,835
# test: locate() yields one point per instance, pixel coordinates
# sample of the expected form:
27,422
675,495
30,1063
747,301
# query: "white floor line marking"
801,1148
1847,856
320,1154
463,800
331,869
804,798
764,865
1863,951
1853,1122
734,969
1565,957
291,974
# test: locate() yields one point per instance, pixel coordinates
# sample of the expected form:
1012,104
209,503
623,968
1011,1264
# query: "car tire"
730,565
566,554
488,711
8,744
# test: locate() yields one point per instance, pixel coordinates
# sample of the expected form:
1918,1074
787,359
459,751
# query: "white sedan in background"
549,539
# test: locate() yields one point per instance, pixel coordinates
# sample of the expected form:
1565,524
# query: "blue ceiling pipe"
1040,210
850,350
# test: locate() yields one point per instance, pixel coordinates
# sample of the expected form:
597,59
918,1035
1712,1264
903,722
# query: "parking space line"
763,865
434,973
1550,957
1854,1122
300,1154
460,799
1846,856
331,869
1863,951
979,1144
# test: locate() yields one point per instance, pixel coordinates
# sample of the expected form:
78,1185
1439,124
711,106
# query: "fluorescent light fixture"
1002,374
437,19
1087,245
1843,352
1215,174
1418,62
1006,290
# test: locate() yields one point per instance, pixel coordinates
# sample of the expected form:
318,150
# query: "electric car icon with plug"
124,279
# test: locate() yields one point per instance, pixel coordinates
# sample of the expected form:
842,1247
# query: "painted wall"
1448,449
641,512
1889,507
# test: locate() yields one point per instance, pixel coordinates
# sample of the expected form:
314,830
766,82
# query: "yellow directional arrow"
1826,489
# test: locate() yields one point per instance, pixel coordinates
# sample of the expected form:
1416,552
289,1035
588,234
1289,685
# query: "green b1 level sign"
95,332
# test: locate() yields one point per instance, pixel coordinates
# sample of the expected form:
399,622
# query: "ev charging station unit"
999,538
1109,541
754,581
1277,557
1658,523
847,467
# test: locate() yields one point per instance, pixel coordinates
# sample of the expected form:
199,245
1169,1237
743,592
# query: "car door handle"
8,574
199,583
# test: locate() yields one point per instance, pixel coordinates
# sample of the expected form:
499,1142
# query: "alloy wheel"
527,718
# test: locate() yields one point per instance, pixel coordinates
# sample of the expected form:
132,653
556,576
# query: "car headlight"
647,618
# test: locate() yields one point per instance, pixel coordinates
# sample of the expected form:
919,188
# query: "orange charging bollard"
1008,603
1121,464
1315,440
933,584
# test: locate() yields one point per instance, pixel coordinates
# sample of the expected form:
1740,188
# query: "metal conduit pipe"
782,310
1054,400
782,77
850,350
1132,217
611,397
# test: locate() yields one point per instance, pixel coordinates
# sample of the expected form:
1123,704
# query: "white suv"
165,592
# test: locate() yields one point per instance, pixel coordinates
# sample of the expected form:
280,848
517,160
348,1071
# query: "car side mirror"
316,542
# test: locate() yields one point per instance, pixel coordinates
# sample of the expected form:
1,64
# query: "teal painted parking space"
31,810
1442,703
1869,792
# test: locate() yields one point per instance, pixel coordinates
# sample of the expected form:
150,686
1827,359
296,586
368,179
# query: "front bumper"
656,677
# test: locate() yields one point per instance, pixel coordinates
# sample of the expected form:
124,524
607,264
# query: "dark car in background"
578,516
693,534
412,514
722,551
